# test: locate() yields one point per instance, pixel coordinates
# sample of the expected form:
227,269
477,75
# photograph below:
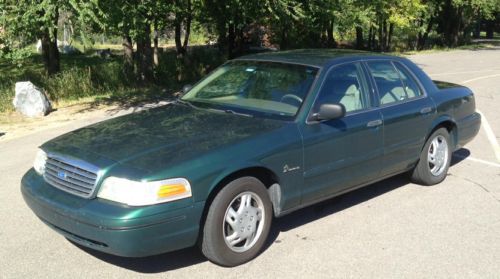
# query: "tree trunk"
240,42
360,44
222,37
451,23
490,29
381,38
54,62
477,27
284,38
144,57
45,40
50,52
389,37
330,39
230,41
177,37
422,39
128,55
371,37
156,58
187,32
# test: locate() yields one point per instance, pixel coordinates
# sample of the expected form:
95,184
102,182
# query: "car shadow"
152,264
459,155
334,205
193,256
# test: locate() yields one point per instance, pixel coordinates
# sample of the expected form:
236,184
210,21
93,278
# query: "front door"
342,153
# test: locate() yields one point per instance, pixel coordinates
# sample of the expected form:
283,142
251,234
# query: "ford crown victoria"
258,138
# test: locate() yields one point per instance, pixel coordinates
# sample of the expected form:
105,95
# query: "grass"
91,79
81,76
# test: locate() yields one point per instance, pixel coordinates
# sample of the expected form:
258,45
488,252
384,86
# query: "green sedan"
258,138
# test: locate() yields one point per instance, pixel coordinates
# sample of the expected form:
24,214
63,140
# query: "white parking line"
479,78
477,160
490,135
464,72
486,125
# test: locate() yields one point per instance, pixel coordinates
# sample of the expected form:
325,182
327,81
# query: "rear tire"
237,223
435,159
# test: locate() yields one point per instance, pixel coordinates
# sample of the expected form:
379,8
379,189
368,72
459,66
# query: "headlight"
138,193
39,164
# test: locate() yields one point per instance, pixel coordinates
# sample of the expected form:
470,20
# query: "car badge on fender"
286,168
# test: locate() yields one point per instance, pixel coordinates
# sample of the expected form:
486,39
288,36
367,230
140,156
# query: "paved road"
389,229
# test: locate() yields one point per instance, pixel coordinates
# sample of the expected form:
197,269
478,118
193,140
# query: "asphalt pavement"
391,229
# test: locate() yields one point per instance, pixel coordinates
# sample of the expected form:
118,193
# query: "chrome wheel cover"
437,155
243,222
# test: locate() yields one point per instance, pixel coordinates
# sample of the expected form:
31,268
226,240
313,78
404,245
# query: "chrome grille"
71,176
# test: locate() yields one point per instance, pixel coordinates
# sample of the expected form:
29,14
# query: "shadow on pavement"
152,264
334,205
459,155
192,256
2,134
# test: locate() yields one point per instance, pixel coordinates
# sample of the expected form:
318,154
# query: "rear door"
342,153
406,112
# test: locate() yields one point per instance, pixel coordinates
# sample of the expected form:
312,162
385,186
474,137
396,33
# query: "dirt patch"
14,125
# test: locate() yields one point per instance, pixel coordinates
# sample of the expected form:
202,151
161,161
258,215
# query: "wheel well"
266,176
452,130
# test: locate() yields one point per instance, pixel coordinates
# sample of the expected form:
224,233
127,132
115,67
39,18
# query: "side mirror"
329,112
186,88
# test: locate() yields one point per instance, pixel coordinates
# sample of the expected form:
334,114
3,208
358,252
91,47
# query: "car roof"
311,57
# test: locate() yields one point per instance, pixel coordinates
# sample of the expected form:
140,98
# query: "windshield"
255,88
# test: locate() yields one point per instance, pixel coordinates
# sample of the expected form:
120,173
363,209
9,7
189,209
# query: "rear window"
410,84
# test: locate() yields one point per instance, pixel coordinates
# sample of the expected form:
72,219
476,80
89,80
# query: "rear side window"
389,84
410,84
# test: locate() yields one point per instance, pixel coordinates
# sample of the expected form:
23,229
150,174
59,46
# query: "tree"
133,21
183,10
456,18
26,20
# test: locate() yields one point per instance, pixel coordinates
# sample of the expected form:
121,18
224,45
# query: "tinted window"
411,87
389,85
344,85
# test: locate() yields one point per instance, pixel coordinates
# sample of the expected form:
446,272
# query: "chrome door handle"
374,123
425,110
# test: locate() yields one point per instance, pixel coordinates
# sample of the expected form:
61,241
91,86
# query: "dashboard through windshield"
255,88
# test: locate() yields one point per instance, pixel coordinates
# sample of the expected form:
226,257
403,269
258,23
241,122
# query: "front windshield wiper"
187,103
229,111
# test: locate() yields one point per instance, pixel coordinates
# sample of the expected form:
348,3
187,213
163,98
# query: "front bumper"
114,228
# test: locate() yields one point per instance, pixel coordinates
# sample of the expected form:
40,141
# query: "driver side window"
344,84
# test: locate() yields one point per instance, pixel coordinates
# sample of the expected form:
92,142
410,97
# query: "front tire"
435,159
237,223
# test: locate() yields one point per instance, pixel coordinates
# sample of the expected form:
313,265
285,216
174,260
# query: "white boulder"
30,100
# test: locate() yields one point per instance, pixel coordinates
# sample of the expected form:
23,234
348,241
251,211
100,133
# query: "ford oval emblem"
62,175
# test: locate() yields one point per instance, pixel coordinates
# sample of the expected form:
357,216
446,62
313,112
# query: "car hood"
158,137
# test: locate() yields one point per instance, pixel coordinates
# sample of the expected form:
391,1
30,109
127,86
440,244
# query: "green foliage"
16,56
87,76
378,25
